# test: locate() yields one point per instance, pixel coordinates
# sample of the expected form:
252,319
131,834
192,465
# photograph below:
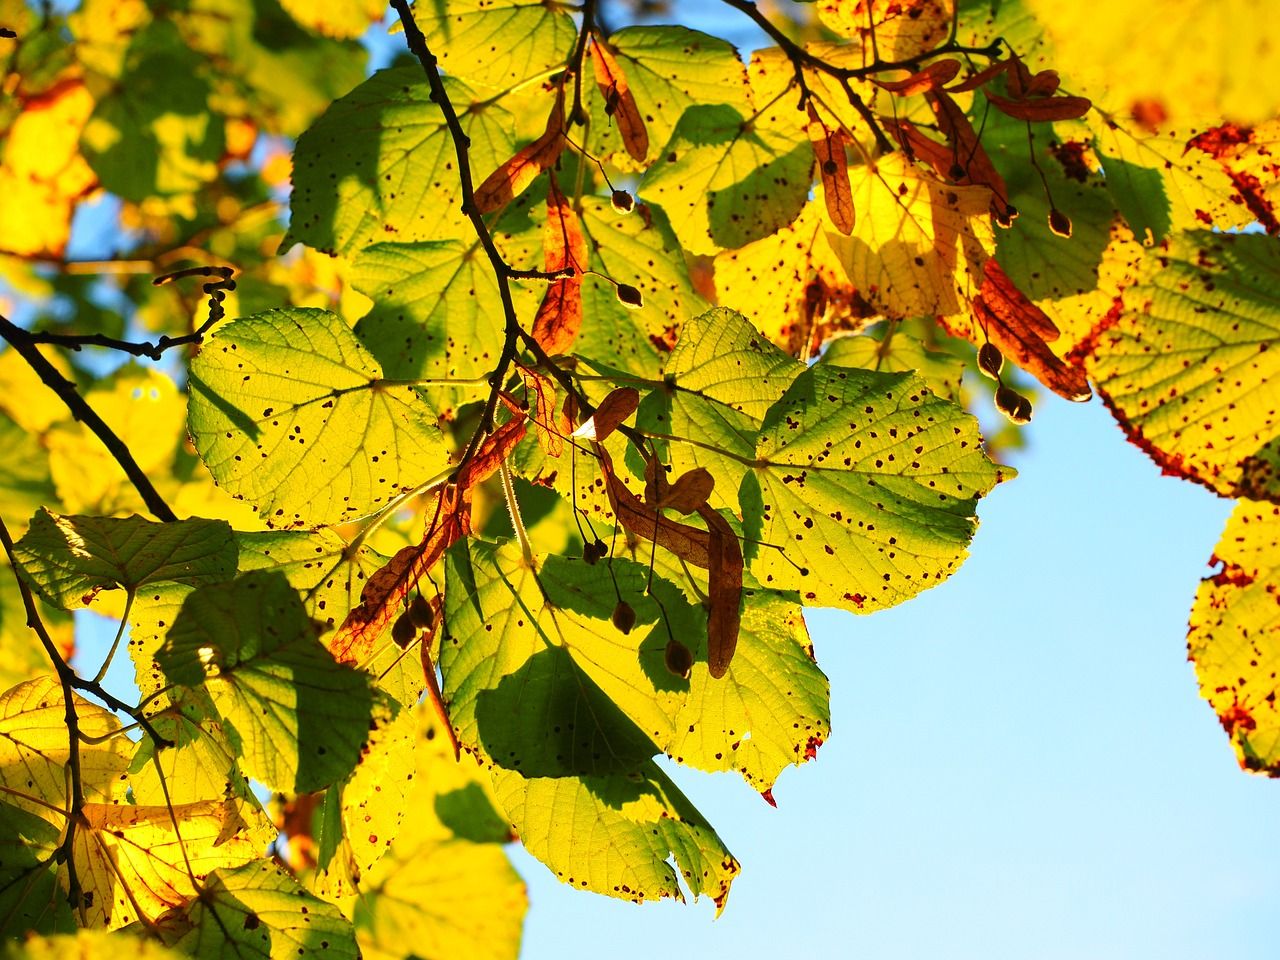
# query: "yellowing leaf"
889,29
258,910
42,174
1188,366
618,835
791,285
346,19
1232,635
89,945
500,43
919,244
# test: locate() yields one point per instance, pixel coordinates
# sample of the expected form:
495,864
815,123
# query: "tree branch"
22,341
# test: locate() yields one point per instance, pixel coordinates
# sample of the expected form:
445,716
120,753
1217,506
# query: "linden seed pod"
1013,405
629,295
589,553
624,618
602,548
403,631
1059,223
990,360
622,201
678,658
420,612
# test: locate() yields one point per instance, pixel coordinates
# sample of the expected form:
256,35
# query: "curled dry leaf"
612,411
1022,332
513,177
833,168
619,102
933,77
724,591
690,544
1040,109
559,316
690,491
385,592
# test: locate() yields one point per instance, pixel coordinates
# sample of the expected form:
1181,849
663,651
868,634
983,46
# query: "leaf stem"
115,644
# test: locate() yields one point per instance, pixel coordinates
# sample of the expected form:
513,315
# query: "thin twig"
22,342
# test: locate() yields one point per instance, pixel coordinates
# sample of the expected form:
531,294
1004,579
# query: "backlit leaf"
1187,365
70,559
298,718
499,43
618,834
379,165
1231,636
258,910
290,412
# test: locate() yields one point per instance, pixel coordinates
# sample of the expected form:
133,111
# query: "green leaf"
155,134
536,676
866,485
770,710
725,179
436,312
1229,637
31,900
903,354
25,481
290,412
68,560
618,835
258,910
297,717
499,43
1188,367
380,165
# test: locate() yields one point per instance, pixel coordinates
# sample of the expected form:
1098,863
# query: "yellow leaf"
344,19
1232,638
29,403
43,174
890,29
919,244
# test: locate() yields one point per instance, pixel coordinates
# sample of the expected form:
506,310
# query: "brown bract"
619,101
1022,331
833,167
514,176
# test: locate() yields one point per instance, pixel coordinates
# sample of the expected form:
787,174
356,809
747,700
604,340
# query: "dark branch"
22,341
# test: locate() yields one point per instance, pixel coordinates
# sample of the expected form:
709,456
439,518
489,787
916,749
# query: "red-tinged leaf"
551,433
974,81
724,591
619,101
1040,109
612,411
1251,159
768,797
933,77
559,317
967,161
492,452
514,176
433,683
690,544
382,598
1022,332
833,168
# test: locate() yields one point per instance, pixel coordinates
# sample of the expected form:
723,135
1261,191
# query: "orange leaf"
724,591
833,167
550,432
619,102
933,77
432,682
511,178
612,411
1040,109
384,594
559,317
969,162
1021,331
